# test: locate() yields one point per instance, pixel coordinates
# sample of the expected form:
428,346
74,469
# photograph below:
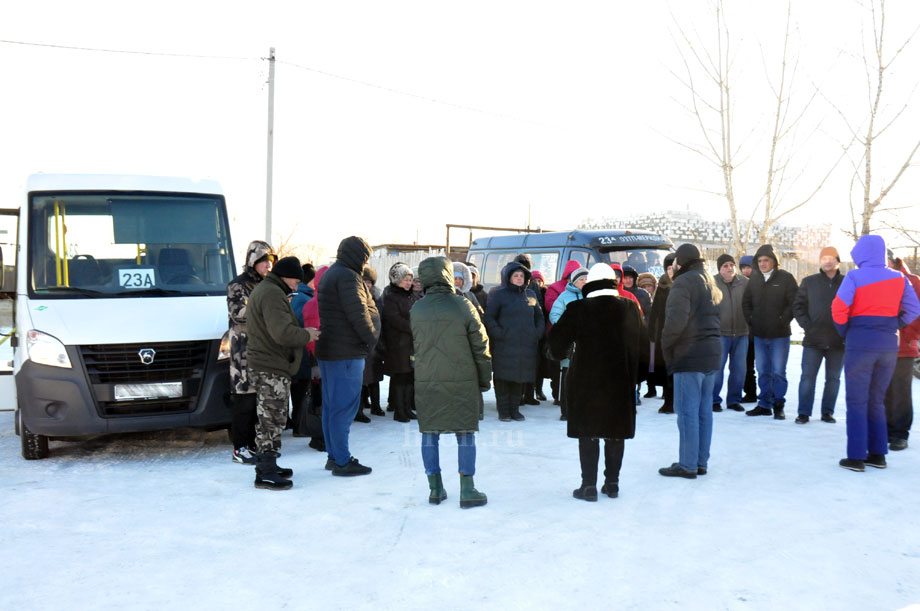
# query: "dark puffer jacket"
812,310
452,354
514,320
397,333
600,390
690,339
768,303
349,321
276,339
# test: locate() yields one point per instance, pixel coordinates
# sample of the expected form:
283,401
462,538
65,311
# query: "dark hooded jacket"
350,323
644,299
690,340
397,333
601,383
812,310
514,320
452,354
276,339
238,291
767,304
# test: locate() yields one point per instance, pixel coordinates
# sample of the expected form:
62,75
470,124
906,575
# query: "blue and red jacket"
873,301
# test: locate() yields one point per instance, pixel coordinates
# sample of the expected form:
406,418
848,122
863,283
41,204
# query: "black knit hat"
723,259
309,273
669,260
687,253
288,267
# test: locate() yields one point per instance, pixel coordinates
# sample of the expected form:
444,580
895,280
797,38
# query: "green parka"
452,360
276,338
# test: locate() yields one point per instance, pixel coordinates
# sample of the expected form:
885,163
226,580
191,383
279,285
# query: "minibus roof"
117,182
601,239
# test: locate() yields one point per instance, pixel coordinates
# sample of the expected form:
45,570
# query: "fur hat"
602,280
723,259
578,273
288,267
646,278
370,274
399,271
669,260
525,260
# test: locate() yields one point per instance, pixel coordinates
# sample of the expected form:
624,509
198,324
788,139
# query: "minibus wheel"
34,447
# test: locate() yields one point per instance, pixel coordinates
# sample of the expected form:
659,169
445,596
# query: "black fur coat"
600,388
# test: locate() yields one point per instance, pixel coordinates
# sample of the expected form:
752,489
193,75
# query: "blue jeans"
466,453
771,355
734,350
341,395
692,394
811,362
868,375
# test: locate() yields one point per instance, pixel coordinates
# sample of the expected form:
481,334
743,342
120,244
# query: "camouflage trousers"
272,394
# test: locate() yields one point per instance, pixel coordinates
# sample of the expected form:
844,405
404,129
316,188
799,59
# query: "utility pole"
271,138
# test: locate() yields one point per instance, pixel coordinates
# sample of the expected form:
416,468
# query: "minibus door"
9,220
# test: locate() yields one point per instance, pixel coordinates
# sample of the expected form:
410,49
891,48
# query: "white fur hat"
602,271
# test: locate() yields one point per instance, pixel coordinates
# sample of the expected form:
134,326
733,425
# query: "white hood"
128,319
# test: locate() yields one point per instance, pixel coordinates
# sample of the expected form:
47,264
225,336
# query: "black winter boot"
501,404
267,473
283,472
613,460
588,453
374,392
401,398
528,395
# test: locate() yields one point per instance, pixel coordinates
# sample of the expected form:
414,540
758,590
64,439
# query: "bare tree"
781,173
717,145
876,65
715,120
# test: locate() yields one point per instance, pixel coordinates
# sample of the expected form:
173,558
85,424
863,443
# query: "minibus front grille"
108,365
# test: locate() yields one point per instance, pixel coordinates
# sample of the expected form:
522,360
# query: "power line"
408,94
292,64
123,51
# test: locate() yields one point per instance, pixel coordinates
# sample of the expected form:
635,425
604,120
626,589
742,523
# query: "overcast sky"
559,111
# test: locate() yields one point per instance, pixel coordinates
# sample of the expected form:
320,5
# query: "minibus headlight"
46,350
224,352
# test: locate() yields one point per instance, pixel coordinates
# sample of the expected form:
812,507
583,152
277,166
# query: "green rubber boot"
438,493
469,496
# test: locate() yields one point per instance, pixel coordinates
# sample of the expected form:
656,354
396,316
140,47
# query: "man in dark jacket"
812,310
274,351
750,377
351,326
768,310
692,348
734,330
452,368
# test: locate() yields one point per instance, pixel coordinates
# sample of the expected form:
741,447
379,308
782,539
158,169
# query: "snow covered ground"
165,520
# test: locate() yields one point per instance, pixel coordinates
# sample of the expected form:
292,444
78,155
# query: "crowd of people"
323,339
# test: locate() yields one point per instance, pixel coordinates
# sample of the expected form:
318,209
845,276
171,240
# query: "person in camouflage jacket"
260,257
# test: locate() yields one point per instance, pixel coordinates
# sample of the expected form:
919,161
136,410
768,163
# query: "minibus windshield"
116,244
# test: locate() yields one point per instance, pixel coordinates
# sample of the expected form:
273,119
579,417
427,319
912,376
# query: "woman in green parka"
452,368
